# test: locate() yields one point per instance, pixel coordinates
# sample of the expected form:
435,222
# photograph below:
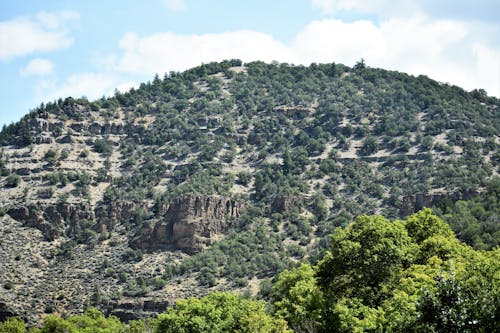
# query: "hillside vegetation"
221,177
377,276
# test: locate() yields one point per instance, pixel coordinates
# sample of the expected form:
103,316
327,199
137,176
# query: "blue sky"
57,48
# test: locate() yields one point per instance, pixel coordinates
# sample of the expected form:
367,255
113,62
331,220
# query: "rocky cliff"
189,223
57,219
413,203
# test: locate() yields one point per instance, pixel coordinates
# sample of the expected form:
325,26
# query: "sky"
60,48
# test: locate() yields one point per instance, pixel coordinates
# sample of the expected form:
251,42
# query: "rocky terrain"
188,223
218,177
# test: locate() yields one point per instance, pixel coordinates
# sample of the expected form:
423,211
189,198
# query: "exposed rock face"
139,309
286,203
65,139
108,215
99,128
189,223
54,220
32,216
42,139
413,203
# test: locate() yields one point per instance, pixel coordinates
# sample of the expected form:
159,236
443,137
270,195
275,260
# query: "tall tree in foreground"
383,276
219,312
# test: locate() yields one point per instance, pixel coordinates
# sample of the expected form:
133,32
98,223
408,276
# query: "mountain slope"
221,176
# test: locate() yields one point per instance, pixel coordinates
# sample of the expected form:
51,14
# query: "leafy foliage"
476,221
219,312
378,275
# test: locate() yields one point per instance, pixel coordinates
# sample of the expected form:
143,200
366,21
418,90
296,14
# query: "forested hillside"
221,177
377,276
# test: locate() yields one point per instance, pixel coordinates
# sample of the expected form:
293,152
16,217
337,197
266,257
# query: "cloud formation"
43,32
384,8
175,5
164,52
40,67
446,50
90,85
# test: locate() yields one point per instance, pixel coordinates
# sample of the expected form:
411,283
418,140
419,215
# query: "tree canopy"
394,276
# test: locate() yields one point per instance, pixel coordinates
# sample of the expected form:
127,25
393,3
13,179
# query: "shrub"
84,153
103,147
13,180
50,155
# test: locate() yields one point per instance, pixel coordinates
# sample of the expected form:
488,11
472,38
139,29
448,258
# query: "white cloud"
164,52
450,51
332,6
337,41
445,50
382,7
90,85
175,5
56,20
39,67
393,42
43,32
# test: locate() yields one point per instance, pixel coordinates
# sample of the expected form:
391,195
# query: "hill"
221,176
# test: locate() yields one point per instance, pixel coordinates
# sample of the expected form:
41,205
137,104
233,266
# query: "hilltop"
221,176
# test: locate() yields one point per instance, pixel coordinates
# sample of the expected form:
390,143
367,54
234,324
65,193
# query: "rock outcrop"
286,203
57,219
111,214
413,203
138,308
188,223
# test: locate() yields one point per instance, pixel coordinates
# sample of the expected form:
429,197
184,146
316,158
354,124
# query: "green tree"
103,146
91,321
393,276
219,312
370,251
13,325
465,300
296,297
53,324
318,206
288,164
370,145
12,180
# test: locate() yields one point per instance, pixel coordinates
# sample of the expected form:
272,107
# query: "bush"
50,155
370,146
64,154
13,180
244,178
13,325
219,312
132,255
103,147
84,153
